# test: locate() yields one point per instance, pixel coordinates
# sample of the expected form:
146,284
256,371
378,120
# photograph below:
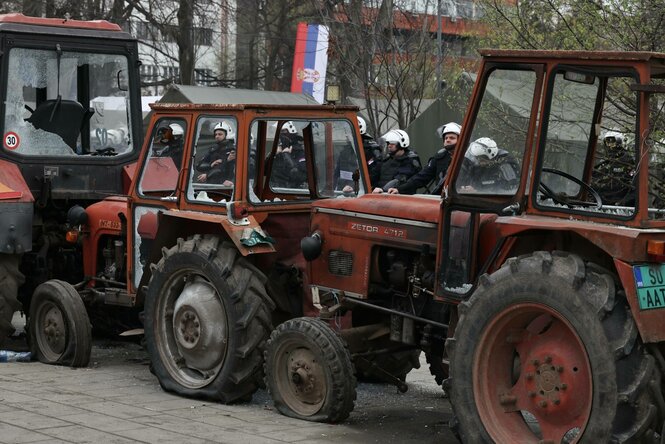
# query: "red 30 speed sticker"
11,140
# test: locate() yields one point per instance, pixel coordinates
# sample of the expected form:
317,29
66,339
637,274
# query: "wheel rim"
51,331
192,331
532,377
300,378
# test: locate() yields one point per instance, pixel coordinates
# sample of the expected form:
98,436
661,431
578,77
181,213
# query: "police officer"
289,167
400,164
613,177
437,166
170,143
372,152
218,165
488,169
345,174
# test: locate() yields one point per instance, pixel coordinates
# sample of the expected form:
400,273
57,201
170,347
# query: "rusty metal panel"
236,232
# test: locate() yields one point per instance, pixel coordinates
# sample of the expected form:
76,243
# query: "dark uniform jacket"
220,172
289,170
346,167
497,175
435,170
397,170
373,159
613,177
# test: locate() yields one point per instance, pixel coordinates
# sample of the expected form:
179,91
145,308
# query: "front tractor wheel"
207,320
308,371
546,350
59,327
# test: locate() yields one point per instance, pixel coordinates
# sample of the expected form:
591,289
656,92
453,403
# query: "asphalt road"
116,399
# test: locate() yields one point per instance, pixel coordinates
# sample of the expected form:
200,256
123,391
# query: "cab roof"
20,23
328,109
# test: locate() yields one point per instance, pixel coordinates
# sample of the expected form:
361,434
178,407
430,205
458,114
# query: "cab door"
489,173
156,187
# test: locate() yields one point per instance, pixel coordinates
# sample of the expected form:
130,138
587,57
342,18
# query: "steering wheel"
563,199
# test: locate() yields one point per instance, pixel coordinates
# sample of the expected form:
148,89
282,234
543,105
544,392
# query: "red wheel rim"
531,377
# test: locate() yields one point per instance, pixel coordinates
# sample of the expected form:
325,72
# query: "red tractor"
207,241
70,117
541,269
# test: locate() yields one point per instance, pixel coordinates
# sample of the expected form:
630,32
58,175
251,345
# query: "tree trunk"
185,42
246,40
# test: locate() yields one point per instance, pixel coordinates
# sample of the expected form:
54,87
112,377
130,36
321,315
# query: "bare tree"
576,24
247,43
266,41
384,54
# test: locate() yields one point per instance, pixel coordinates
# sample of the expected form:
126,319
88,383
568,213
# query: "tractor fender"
175,224
243,235
17,208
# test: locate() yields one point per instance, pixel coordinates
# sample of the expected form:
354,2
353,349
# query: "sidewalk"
117,400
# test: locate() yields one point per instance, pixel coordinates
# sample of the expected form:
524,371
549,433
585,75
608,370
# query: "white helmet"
290,127
363,125
484,147
397,136
224,126
450,127
613,138
176,129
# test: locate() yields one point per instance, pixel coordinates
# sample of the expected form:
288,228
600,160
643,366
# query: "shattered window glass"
62,103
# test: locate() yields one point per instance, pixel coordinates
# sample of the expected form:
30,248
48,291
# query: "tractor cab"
69,104
574,139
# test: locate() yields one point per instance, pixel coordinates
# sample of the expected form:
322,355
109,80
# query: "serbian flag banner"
310,61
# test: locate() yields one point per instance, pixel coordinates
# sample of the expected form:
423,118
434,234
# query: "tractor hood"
422,208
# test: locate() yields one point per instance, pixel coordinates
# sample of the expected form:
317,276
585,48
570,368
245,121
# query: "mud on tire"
563,350
207,317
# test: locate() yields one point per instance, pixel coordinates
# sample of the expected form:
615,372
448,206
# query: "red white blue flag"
310,61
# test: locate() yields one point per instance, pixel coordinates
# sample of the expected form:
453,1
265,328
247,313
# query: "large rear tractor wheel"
10,280
546,350
59,327
308,371
207,318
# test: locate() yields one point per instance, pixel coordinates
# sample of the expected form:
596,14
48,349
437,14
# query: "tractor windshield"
589,156
304,160
63,103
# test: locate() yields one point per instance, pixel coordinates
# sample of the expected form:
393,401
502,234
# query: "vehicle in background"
61,147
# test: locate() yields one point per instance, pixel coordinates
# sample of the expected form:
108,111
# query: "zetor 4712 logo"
377,229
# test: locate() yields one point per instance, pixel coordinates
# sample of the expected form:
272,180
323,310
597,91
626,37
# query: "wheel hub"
306,377
54,330
301,377
544,382
199,325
